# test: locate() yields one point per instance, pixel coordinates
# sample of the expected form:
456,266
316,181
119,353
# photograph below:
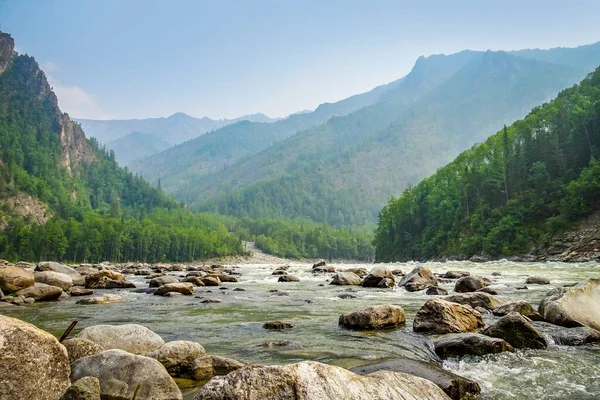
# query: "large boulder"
309,380
177,357
135,339
33,365
469,284
86,388
204,368
455,274
573,306
439,316
522,307
163,280
78,348
106,279
211,280
418,279
374,317
455,386
288,278
52,278
376,276
345,278
518,331
125,376
13,279
104,299
469,344
41,292
578,336
361,272
475,299
180,287
537,280
52,266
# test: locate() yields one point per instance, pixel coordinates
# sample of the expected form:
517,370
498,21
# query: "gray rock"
579,336
573,306
376,275
418,279
75,276
135,339
13,279
522,307
475,299
177,357
346,278
288,278
86,388
179,287
206,367
537,280
469,284
52,278
439,316
105,299
469,344
518,331
436,291
41,292
277,325
374,317
78,348
456,274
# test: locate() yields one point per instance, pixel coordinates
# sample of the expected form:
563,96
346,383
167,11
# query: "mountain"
513,194
136,145
345,170
64,198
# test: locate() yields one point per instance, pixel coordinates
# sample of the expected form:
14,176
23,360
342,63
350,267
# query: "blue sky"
137,59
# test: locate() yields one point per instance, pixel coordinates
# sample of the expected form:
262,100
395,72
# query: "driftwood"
67,332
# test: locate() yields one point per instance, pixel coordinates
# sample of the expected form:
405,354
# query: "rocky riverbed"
197,321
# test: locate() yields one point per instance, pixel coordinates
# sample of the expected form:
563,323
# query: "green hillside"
518,189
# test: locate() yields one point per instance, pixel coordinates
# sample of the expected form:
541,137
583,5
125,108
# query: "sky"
121,59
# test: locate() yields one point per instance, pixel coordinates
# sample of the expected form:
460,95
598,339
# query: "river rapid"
233,327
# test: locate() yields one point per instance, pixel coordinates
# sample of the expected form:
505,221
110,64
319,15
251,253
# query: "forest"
517,190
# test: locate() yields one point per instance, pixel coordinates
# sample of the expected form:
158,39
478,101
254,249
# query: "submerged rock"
439,316
418,279
518,331
135,339
573,306
469,284
537,280
277,325
475,299
177,357
106,299
374,317
78,348
13,279
33,365
86,388
469,344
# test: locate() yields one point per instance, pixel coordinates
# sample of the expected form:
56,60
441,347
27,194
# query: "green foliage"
525,184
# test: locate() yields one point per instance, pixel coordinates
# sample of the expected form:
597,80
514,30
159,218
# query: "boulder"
277,325
108,283
518,331
487,290
80,292
33,365
320,263
573,306
418,279
522,307
180,287
211,280
86,388
57,267
455,386
374,317
469,284
106,279
194,280
206,367
126,376
456,274
78,348
346,278
361,272
386,283
288,278
469,344
376,275
309,380
436,291
135,339
475,299
177,357
105,299
537,280
13,279
439,316
579,336
228,278
52,278
41,292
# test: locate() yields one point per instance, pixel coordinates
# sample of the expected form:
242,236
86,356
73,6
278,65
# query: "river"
233,327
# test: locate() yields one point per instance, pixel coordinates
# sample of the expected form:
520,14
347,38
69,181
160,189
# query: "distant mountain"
136,145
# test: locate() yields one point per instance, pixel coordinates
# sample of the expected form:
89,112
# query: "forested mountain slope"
64,198
136,145
517,190
344,171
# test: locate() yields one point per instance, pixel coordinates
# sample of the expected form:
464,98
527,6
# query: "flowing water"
233,327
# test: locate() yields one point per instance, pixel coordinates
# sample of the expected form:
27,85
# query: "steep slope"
136,145
344,171
514,193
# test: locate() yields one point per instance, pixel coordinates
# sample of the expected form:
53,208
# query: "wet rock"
181,287
279,272
469,284
456,274
487,290
374,317
518,331
135,339
469,344
239,289
483,311
475,299
194,280
177,357
346,278
33,365
277,292
397,272
108,283
208,301
278,344
277,325
52,278
346,296
436,291
522,307
573,306
211,280
309,380
74,291
206,367
126,376
41,292
386,283
78,348
522,287
376,275
578,336
418,279
163,280
86,388
105,299
228,278
537,280
288,278
455,386
439,316
496,274
13,279
361,272
320,263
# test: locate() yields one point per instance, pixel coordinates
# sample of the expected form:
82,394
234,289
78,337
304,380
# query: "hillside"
344,171
64,198
136,145
515,193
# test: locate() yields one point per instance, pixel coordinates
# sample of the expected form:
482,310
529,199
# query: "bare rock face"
376,276
78,348
204,368
178,356
311,380
573,306
475,299
346,278
472,344
180,287
7,46
41,292
469,284
518,331
126,376
52,278
13,279
86,388
135,339
418,279
374,317
439,316
33,365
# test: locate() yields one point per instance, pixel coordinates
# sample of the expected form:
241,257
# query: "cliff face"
7,47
